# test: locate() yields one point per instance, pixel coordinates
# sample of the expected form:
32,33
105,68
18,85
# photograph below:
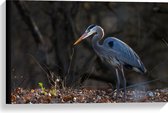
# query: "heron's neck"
95,43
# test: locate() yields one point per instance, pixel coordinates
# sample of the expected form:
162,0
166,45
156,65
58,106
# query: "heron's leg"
124,82
118,83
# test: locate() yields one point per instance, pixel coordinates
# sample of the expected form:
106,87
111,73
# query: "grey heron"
115,52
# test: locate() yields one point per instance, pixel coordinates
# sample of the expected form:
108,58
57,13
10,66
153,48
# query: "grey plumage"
124,54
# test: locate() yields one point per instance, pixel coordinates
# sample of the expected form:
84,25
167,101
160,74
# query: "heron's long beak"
85,35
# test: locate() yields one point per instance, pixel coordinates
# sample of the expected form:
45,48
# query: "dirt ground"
37,96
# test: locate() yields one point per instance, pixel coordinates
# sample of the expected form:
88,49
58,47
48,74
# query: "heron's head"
90,31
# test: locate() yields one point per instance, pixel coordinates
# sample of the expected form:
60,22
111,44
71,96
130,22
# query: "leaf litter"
84,95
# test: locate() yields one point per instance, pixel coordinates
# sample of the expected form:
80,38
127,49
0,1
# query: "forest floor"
68,95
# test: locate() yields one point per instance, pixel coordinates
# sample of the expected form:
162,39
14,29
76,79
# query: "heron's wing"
123,53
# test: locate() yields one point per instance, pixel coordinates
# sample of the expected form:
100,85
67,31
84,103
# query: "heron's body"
118,53
114,51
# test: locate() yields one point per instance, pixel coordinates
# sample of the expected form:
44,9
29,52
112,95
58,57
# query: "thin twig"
142,83
69,67
165,41
71,57
45,69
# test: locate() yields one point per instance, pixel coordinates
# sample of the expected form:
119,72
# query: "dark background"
47,31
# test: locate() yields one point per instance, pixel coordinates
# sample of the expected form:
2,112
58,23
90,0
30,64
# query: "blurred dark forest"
46,31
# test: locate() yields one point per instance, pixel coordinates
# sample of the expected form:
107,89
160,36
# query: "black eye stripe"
91,26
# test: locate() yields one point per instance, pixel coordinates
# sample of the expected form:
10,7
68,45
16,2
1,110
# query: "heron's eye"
111,43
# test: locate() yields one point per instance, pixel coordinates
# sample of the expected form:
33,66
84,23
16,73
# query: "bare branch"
26,16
